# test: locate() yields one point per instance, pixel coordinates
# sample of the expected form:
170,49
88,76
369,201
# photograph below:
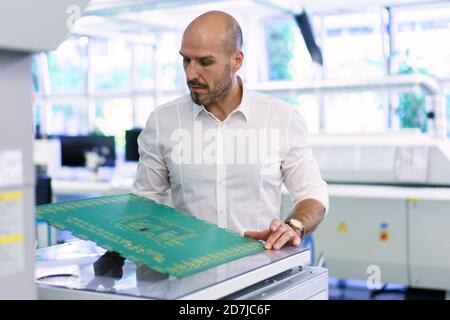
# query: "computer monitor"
73,149
131,145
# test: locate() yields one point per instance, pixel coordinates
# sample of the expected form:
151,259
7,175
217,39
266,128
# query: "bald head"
212,55
216,26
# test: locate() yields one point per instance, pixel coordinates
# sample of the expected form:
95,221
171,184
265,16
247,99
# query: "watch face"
296,224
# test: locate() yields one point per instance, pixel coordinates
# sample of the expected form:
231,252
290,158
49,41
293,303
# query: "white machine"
22,31
389,208
81,270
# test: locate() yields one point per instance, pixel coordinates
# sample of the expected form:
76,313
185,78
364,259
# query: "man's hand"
278,234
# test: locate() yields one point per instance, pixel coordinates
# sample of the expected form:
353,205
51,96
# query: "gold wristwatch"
297,226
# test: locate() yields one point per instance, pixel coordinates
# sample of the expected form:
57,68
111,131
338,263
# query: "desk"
79,270
367,225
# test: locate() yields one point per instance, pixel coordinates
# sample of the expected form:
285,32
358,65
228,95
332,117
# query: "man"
189,146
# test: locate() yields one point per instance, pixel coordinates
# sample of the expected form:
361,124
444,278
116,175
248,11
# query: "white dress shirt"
229,173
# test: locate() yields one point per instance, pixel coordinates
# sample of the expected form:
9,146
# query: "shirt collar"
243,107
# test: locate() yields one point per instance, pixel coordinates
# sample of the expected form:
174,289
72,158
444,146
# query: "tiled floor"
357,290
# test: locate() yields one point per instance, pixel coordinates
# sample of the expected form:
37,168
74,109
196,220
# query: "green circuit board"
166,240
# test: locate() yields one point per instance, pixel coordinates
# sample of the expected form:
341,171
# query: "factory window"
68,118
353,46
135,77
287,55
144,64
110,64
421,39
169,60
117,91
67,71
419,46
113,117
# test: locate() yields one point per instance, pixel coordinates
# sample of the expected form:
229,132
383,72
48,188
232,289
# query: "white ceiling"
145,16
329,6
311,5
178,17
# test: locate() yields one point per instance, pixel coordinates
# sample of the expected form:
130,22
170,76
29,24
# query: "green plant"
411,109
279,51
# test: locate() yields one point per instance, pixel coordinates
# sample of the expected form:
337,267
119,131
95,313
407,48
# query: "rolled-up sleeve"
300,171
152,175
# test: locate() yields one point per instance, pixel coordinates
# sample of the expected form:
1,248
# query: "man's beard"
205,99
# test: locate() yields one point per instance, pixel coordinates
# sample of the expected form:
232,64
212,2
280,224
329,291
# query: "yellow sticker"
12,238
11,196
384,235
413,200
342,228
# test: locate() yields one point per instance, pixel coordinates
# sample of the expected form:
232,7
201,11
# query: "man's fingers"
275,236
283,239
257,235
296,241
275,225
278,234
